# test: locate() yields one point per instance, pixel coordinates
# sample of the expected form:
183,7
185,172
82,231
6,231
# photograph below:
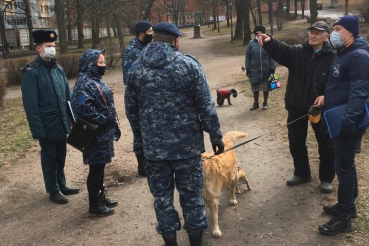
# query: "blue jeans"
187,176
52,162
344,165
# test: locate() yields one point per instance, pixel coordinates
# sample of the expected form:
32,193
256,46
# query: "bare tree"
205,6
27,11
295,7
258,3
246,22
2,26
80,10
238,34
303,9
148,10
175,7
60,18
158,11
346,7
313,11
69,26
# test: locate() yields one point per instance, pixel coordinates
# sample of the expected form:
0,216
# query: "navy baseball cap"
167,29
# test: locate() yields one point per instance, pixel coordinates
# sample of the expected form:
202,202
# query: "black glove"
248,72
220,148
111,122
272,71
117,131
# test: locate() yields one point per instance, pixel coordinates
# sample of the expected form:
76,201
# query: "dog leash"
253,139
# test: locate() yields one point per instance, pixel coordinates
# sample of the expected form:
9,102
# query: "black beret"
142,26
167,28
42,36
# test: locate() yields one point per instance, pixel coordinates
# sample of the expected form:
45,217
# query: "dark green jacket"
45,90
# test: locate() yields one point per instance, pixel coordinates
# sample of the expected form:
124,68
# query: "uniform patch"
129,65
336,70
81,99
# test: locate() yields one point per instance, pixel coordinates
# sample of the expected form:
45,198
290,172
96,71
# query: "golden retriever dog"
220,172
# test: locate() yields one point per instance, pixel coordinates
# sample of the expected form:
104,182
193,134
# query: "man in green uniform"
45,92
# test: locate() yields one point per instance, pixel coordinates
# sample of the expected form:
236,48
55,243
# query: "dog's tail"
231,137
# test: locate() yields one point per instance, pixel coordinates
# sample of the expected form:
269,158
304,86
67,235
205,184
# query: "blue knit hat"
350,23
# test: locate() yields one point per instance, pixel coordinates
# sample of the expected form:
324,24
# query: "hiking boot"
170,238
265,106
109,203
333,210
99,208
335,226
295,180
141,168
254,106
58,197
326,187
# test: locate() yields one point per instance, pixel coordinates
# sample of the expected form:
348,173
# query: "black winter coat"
308,72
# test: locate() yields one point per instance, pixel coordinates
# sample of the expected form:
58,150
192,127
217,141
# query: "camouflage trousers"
187,176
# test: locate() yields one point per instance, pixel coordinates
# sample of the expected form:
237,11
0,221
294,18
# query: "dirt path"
270,214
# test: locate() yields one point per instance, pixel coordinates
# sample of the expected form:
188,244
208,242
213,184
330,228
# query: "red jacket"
225,93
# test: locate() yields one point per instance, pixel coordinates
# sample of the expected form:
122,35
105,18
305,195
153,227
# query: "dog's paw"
233,202
216,233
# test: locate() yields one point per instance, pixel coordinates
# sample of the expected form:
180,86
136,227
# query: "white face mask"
49,52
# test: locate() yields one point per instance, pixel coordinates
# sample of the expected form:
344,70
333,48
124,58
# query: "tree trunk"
253,16
27,10
246,23
227,10
147,13
238,33
120,33
214,15
93,32
346,7
98,29
271,18
3,36
69,26
60,14
80,10
303,9
259,11
295,13
218,19
313,11
114,29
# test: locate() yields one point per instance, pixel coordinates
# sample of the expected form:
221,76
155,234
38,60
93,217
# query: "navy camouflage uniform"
131,54
88,104
45,91
168,104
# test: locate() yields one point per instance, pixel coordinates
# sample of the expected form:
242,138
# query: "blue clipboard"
333,117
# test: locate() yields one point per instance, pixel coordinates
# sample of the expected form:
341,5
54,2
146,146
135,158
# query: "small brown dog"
220,172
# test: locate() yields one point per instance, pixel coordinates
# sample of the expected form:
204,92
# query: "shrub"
69,62
13,70
2,88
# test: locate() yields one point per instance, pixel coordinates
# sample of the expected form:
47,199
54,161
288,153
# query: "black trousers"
297,133
95,182
52,162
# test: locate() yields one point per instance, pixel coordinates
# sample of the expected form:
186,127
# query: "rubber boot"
170,239
108,202
195,240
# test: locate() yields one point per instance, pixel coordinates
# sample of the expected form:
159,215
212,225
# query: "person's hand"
263,38
319,102
118,132
248,72
220,147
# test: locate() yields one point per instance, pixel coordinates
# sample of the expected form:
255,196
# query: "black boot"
170,239
254,106
335,226
109,203
195,240
98,208
141,160
333,210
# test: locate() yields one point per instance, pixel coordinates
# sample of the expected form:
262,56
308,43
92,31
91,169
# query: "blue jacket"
259,63
169,105
88,104
45,92
349,82
131,54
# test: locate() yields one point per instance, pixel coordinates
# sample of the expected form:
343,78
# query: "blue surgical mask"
336,40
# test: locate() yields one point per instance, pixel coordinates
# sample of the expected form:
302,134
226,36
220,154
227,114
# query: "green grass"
15,136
